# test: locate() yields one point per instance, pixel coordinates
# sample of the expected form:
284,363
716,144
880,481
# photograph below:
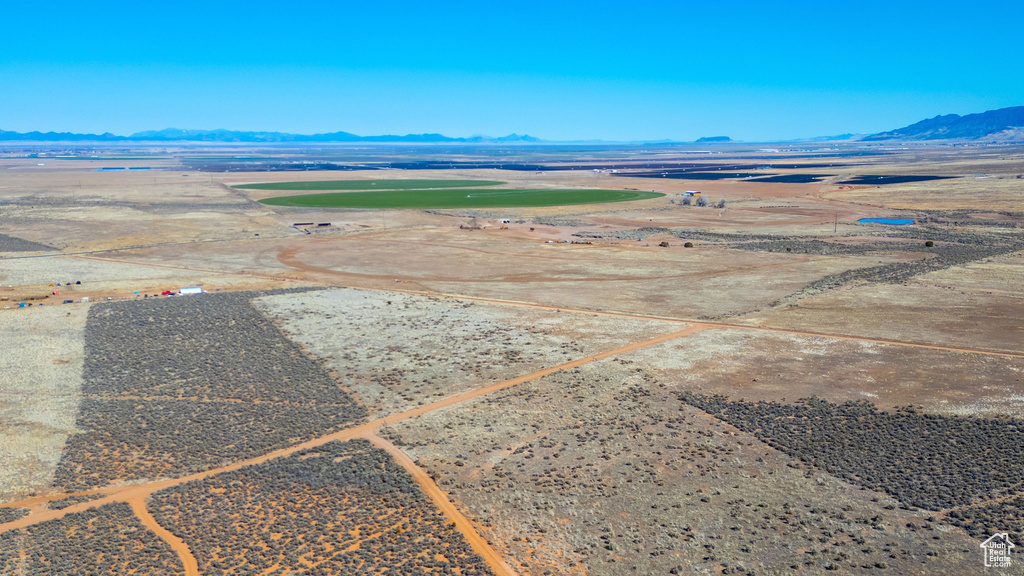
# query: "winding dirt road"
177,544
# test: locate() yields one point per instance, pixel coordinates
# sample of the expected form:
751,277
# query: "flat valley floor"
762,385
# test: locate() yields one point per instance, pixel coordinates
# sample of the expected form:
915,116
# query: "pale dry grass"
978,305
397,351
966,193
763,366
40,379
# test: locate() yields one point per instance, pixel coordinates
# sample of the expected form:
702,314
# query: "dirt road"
136,495
177,544
480,545
288,256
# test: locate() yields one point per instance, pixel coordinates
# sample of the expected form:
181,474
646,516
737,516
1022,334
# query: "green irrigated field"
464,198
369,185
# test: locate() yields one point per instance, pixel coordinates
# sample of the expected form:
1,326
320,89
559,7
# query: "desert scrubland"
763,384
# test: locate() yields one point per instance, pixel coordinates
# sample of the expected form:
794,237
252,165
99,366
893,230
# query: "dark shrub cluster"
15,244
686,233
105,540
178,385
70,501
945,257
770,242
987,519
819,247
210,346
12,514
958,236
342,508
924,460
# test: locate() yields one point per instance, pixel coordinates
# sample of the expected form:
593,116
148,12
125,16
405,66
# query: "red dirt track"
136,495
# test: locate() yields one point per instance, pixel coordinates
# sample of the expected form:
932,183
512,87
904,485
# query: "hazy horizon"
607,71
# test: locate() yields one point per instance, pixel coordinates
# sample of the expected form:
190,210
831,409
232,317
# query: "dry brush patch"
941,258
180,385
975,304
40,378
953,314
957,248
105,540
999,193
37,273
758,365
604,469
397,351
627,276
338,508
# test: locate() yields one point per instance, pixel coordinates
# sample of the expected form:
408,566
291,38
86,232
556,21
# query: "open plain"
745,381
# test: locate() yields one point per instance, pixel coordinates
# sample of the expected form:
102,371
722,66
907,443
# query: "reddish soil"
138,505
430,488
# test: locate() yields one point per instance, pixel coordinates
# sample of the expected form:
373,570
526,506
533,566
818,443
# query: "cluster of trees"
700,201
345,508
924,460
184,384
104,540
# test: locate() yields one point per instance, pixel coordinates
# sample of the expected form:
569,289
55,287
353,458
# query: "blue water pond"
894,221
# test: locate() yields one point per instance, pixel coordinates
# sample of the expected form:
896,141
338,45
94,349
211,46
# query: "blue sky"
754,71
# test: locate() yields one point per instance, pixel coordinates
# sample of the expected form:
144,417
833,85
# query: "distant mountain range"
836,138
1002,124
1005,124
177,135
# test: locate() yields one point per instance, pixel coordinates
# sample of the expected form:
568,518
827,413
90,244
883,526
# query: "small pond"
893,221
